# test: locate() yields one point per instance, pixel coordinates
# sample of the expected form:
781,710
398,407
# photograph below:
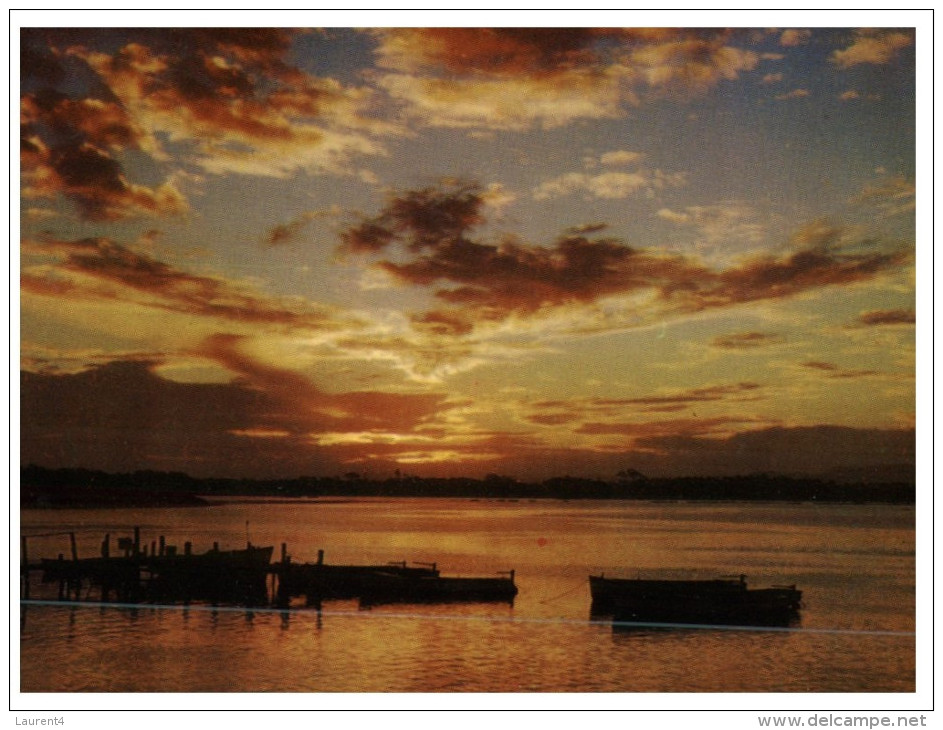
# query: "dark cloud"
498,50
38,63
68,140
557,412
433,228
829,451
66,149
819,365
426,219
90,93
643,432
587,229
882,317
745,341
802,450
164,286
771,278
123,416
219,96
834,371
286,232
66,121
699,395
541,52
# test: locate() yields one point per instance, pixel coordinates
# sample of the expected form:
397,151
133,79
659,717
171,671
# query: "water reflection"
543,642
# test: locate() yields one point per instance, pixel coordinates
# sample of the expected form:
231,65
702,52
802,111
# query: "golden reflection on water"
854,563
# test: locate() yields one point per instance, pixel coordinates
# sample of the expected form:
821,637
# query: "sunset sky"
461,251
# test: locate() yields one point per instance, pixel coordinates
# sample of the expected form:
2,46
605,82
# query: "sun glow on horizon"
258,251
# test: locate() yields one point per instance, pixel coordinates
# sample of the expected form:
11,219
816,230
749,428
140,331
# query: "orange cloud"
513,78
891,196
794,37
696,60
794,94
874,47
226,95
310,409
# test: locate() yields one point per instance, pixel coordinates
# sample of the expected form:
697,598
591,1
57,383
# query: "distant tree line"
43,487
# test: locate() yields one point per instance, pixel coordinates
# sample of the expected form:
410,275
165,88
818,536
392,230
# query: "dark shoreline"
83,488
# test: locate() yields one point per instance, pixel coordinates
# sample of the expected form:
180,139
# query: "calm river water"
854,563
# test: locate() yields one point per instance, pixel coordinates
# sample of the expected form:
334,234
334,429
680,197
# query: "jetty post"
75,581
25,568
281,595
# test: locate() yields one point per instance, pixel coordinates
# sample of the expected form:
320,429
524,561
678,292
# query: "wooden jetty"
163,574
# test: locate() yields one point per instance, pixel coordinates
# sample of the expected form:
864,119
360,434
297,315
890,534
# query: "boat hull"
319,581
384,588
723,602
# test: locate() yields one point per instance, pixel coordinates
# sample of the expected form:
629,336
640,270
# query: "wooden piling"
25,559
61,577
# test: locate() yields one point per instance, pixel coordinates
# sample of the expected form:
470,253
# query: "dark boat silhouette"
324,581
720,601
385,587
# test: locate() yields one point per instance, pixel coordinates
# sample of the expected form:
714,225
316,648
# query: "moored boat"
385,587
323,581
719,601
